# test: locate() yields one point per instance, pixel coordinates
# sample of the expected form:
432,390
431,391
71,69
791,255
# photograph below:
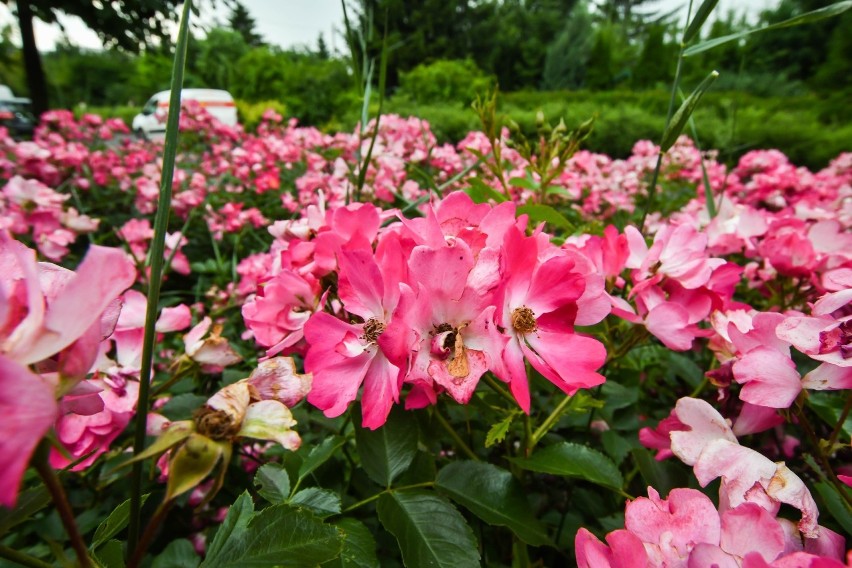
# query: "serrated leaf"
322,502
685,368
29,503
806,18
387,451
359,546
114,523
233,528
545,213
573,460
177,554
494,495
273,483
700,17
681,116
615,445
279,535
497,432
319,455
481,192
110,555
430,531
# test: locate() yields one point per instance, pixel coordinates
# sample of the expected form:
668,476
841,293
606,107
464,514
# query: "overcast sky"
291,23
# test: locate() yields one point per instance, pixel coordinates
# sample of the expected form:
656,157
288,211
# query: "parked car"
151,122
15,114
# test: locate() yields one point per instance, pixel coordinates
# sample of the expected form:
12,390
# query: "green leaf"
481,192
110,555
574,460
176,433
387,451
29,503
699,19
234,526
359,546
682,366
833,501
279,535
182,406
322,502
545,213
430,531
497,432
114,523
615,445
830,408
319,455
661,475
192,462
273,483
494,495
806,18
523,183
681,116
177,554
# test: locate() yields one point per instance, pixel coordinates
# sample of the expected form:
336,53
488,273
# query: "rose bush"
442,355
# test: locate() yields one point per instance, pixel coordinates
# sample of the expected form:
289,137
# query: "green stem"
60,501
465,449
498,388
652,189
21,558
839,426
150,531
380,493
161,223
823,461
550,421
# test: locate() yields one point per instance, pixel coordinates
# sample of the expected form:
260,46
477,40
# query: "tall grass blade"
680,118
700,17
155,261
806,18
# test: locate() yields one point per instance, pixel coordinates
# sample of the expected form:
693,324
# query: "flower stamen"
523,320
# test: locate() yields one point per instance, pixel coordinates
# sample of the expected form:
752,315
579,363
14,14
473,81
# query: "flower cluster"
431,303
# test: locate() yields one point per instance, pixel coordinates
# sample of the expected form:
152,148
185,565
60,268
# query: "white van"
151,122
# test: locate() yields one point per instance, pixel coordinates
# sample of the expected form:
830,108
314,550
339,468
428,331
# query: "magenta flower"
343,356
537,307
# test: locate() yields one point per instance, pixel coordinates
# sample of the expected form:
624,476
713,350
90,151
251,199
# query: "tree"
568,55
242,22
126,24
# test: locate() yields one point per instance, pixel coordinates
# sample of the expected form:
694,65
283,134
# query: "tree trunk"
32,59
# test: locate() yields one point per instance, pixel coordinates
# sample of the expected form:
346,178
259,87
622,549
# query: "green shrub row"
810,130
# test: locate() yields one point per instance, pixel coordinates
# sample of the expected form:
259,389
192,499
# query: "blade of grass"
383,71
161,223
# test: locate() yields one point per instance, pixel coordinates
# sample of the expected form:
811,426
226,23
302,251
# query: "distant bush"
444,80
250,114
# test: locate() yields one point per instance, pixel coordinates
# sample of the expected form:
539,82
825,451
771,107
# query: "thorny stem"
465,449
388,490
21,558
60,500
809,432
